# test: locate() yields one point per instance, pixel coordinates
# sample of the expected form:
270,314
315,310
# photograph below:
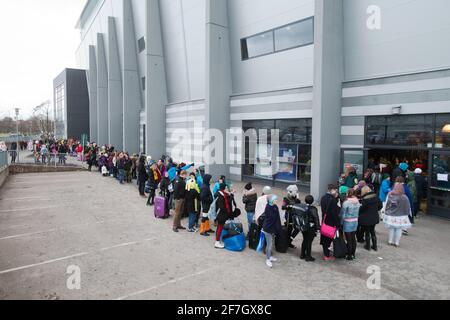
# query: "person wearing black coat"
142,176
369,216
224,208
330,216
207,199
421,186
179,195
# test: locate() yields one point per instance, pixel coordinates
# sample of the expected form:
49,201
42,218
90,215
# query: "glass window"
442,131
295,35
257,45
141,44
355,159
298,130
409,130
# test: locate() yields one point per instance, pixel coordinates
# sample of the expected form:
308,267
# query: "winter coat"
192,201
385,189
272,221
142,173
397,206
206,195
164,186
179,192
287,203
331,209
350,214
351,180
224,210
368,212
154,179
421,186
249,199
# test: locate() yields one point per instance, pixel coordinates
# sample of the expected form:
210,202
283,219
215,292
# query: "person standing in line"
261,203
224,213
421,185
289,201
349,221
155,179
330,216
207,199
385,187
179,197
396,218
369,217
249,200
312,227
271,227
13,152
192,202
120,162
142,176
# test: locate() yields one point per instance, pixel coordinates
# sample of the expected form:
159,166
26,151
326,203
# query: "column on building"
218,77
156,90
328,77
102,92
92,82
115,89
132,99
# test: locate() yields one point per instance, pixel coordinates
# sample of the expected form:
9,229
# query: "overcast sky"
38,40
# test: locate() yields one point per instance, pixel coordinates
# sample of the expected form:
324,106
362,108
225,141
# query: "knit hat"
267,190
418,171
403,166
248,187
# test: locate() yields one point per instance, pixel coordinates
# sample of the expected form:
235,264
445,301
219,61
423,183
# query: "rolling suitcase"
161,207
282,241
253,236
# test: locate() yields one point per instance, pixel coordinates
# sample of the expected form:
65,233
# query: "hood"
250,192
207,179
371,195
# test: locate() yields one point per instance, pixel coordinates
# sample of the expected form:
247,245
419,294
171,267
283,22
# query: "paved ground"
49,222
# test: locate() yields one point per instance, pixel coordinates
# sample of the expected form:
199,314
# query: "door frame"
430,165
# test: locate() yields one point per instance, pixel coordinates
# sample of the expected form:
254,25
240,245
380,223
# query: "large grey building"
358,82
71,104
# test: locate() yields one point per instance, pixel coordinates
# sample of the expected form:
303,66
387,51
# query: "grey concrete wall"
92,84
218,74
132,101
102,92
156,92
328,77
115,89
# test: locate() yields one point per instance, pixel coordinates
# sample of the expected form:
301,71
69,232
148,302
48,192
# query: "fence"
42,159
3,160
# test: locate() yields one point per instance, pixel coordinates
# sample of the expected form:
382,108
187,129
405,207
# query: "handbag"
262,241
339,247
328,231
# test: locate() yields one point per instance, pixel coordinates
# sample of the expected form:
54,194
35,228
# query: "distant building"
71,104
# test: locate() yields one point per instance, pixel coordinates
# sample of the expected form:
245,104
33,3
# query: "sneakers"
269,263
175,230
205,234
272,259
191,230
219,245
325,258
405,232
181,228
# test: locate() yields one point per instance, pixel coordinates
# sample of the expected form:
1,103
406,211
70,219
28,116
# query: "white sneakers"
272,259
219,245
269,261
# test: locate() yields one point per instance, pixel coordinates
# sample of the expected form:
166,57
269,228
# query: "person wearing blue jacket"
385,187
271,227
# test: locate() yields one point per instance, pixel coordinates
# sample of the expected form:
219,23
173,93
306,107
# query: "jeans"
192,220
250,216
395,235
269,244
121,175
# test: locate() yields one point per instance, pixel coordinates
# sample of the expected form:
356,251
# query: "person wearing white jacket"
261,204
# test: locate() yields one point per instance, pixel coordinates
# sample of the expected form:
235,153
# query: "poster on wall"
286,168
263,166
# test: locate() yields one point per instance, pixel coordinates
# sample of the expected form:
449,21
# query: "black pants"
350,237
326,243
292,232
360,234
151,197
142,188
370,234
308,238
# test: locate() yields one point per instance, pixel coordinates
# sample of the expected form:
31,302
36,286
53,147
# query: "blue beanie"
403,166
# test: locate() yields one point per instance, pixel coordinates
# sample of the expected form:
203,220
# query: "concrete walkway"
50,222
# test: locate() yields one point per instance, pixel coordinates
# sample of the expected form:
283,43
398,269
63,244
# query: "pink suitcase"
161,207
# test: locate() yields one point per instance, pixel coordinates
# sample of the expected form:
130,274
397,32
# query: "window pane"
414,130
298,130
294,35
442,131
259,45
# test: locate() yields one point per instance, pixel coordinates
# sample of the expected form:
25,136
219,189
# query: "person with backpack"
271,227
350,178
288,202
369,217
249,200
311,226
261,204
179,196
330,217
206,198
377,178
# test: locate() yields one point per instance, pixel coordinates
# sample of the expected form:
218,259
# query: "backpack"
376,178
300,217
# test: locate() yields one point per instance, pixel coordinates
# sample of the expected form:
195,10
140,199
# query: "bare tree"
42,114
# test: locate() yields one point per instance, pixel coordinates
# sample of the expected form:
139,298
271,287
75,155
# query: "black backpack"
300,217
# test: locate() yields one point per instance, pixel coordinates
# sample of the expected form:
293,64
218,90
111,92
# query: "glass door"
439,199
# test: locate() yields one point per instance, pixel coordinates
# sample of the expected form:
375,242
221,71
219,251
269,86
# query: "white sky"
38,40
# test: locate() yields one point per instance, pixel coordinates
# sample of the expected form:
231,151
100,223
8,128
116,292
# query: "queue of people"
350,210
